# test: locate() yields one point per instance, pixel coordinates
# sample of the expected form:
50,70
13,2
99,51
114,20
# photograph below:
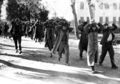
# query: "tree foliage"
26,9
1,1
12,9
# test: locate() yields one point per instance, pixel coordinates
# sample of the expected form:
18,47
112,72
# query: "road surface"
34,65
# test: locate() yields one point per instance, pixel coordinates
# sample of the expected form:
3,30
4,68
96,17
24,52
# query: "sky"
60,8
3,10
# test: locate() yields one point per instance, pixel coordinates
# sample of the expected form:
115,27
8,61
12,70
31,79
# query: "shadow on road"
50,74
7,45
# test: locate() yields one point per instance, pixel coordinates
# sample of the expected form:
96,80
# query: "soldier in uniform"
106,42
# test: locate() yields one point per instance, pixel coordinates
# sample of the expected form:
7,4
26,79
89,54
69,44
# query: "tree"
36,9
75,17
91,9
26,9
43,14
91,4
1,1
12,9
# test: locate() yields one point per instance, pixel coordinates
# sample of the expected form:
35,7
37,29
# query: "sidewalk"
34,66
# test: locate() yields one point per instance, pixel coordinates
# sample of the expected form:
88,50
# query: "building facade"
105,11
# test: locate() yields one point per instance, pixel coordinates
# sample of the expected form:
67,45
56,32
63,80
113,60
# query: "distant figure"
39,32
0,29
5,32
106,42
16,32
62,42
83,43
64,46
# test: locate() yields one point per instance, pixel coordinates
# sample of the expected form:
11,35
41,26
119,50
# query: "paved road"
34,66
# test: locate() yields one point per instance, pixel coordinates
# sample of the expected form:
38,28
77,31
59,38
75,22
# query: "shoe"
16,51
100,64
59,58
51,55
68,64
97,72
81,58
20,52
114,67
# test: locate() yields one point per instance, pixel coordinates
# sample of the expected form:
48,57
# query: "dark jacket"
83,38
106,33
16,29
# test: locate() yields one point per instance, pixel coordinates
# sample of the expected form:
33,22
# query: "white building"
107,11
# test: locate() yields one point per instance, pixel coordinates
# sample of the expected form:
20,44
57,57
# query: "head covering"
106,24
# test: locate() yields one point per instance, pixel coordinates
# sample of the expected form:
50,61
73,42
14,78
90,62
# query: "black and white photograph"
59,41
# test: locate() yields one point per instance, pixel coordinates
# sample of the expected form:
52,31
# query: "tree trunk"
91,9
75,18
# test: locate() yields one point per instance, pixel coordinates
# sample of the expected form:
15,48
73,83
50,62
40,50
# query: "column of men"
89,42
88,39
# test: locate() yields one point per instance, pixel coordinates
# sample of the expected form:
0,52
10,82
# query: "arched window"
81,5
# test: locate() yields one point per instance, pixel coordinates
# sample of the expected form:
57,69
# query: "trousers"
17,42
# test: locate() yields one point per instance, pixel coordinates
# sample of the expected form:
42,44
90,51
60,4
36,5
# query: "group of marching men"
89,42
56,33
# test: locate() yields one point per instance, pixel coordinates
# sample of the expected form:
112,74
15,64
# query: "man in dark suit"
106,42
16,32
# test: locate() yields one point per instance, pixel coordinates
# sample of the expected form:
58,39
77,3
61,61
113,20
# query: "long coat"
92,48
83,43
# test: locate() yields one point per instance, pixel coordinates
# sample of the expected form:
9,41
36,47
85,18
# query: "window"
88,19
119,6
119,20
106,5
101,6
81,5
82,18
101,19
107,19
115,6
114,19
